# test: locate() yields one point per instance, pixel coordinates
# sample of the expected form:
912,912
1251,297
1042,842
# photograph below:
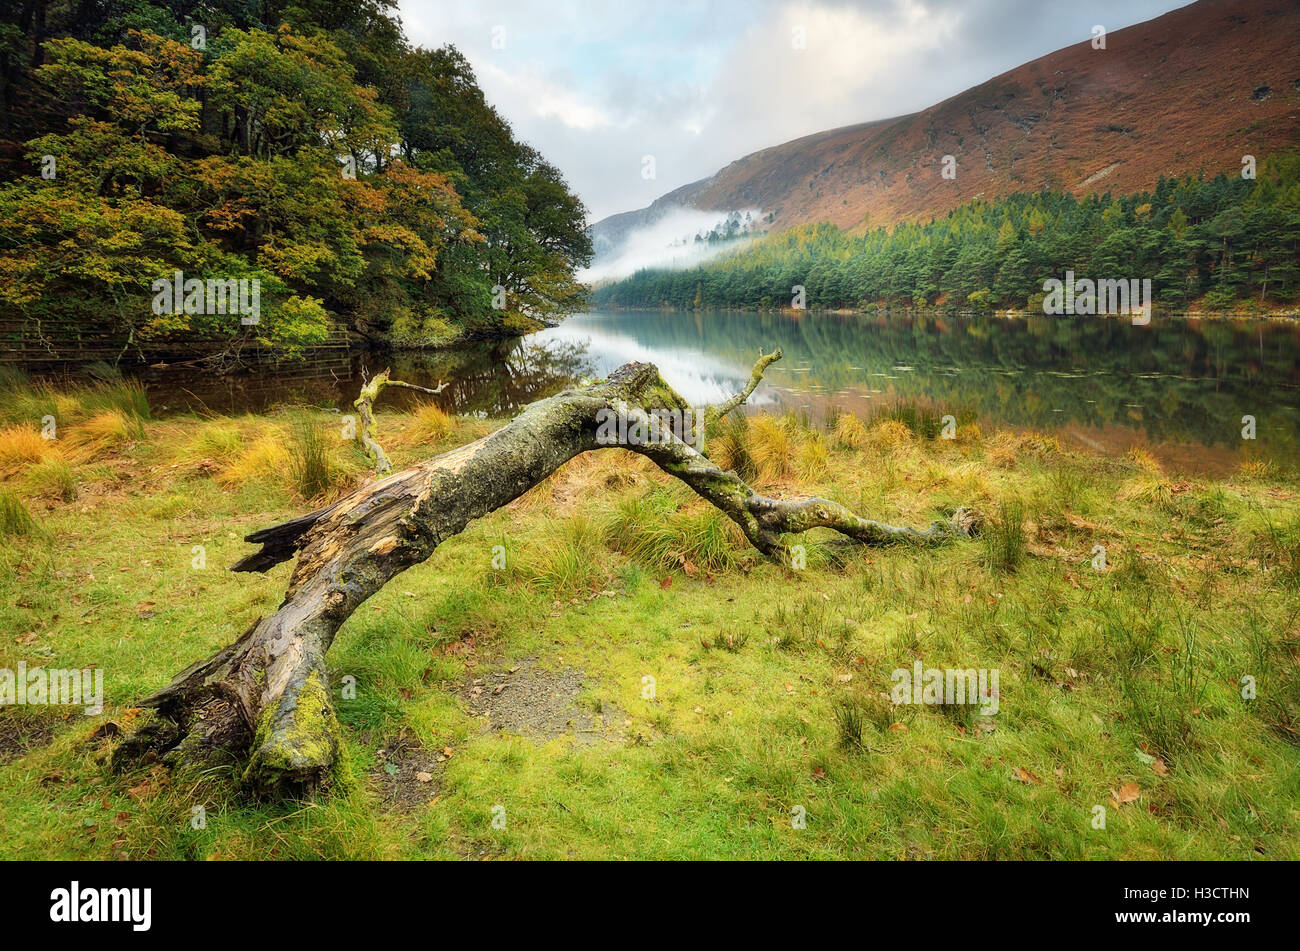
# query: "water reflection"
1180,386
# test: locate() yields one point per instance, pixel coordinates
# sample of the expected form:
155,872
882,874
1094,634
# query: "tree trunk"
266,696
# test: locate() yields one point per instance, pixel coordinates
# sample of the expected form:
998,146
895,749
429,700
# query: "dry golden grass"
1003,450
265,459
431,421
771,447
1258,469
890,434
1144,461
21,446
103,433
814,458
850,432
1005,446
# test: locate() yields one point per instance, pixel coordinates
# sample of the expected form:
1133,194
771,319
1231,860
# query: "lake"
1179,386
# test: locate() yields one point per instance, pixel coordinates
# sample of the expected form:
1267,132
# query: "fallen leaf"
1026,776
423,777
1129,792
1160,767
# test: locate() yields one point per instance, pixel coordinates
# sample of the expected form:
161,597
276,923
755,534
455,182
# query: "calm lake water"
1179,387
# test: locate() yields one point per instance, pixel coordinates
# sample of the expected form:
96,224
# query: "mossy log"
263,702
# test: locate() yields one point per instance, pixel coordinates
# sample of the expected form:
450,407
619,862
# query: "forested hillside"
1226,244
1189,92
361,181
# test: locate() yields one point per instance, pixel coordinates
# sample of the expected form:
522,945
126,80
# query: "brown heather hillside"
1191,91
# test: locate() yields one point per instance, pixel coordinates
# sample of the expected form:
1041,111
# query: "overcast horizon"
597,87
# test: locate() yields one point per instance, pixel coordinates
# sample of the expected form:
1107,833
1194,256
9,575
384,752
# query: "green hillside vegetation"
1226,244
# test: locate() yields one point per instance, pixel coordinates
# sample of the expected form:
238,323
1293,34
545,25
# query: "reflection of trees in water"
1175,380
491,377
319,378
1180,380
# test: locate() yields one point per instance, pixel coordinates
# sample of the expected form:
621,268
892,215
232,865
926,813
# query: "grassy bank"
505,679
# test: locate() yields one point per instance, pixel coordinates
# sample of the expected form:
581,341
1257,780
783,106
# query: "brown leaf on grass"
666,583
819,773
1129,792
1160,767
1027,777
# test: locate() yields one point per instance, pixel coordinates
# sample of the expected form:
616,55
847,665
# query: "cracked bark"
263,701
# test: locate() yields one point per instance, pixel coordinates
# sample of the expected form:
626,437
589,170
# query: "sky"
631,99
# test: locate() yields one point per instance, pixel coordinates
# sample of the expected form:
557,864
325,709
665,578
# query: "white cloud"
530,94
596,85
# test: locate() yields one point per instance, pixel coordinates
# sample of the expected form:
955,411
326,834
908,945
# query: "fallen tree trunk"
266,696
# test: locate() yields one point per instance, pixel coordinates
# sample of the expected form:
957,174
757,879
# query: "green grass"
309,457
24,402
14,517
771,686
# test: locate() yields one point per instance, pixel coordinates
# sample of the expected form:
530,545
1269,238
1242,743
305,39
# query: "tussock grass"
218,441
21,446
771,446
570,559
1279,545
311,464
658,531
105,432
430,421
266,459
1004,537
891,434
23,402
728,445
850,433
53,478
14,517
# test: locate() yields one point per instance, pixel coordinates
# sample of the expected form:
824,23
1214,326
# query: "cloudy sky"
598,85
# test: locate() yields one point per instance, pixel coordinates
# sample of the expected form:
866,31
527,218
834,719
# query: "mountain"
1191,91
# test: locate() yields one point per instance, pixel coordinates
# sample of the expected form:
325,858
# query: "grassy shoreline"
1119,688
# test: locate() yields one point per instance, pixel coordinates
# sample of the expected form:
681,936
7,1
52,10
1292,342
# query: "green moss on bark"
297,740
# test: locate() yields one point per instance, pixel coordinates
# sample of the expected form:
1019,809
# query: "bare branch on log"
365,407
755,378
265,699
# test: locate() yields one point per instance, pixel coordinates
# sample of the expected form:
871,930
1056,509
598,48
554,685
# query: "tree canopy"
362,182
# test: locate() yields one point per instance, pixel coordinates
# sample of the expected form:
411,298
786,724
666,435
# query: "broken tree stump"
264,700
